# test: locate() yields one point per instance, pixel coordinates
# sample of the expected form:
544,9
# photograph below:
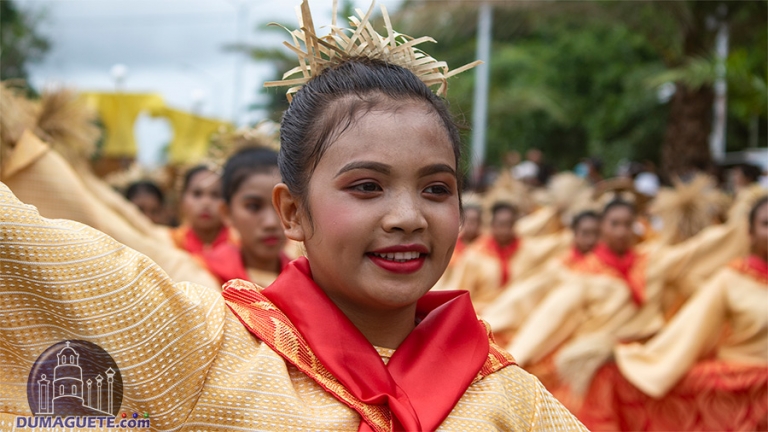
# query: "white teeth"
398,256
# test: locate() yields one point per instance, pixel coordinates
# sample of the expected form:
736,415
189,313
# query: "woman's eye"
366,187
438,190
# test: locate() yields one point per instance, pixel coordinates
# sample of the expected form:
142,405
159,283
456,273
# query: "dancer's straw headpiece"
317,53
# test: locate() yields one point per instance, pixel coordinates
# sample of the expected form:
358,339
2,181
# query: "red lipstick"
401,259
270,241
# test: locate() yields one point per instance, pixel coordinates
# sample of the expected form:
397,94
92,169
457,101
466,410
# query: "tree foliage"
583,78
282,60
20,42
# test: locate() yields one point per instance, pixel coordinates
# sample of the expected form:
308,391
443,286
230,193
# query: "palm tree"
683,33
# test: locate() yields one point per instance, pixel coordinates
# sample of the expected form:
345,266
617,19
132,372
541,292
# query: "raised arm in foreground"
63,281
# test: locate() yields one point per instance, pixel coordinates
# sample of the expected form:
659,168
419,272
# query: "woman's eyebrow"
252,196
366,165
435,169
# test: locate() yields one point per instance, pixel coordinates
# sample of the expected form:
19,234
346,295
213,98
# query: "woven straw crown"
316,53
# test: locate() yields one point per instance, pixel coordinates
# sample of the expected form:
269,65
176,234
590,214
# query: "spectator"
148,197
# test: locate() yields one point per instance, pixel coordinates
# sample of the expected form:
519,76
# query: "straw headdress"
122,179
568,194
688,208
224,144
506,189
563,189
60,118
619,188
17,114
743,202
65,122
317,53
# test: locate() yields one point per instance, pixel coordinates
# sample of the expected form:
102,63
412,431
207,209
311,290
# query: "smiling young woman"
380,217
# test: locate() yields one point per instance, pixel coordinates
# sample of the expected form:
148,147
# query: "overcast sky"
170,47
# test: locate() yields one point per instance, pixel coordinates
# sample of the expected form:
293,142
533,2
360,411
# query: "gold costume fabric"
707,370
480,270
579,321
184,358
732,300
592,311
40,176
543,221
510,309
689,265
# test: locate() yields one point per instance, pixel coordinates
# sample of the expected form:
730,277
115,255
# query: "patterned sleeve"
62,282
551,415
526,405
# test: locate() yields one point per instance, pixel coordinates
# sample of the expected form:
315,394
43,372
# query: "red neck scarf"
429,371
574,256
504,254
226,263
623,266
759,265
193,244
753,266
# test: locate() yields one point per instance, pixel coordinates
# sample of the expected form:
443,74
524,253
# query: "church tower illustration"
67,394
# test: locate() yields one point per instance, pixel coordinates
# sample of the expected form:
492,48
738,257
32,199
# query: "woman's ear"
287,207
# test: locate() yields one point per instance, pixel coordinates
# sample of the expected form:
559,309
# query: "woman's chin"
398,296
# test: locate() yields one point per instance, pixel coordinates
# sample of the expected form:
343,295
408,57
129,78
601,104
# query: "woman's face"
250,212
586,234
385,210
470,229
503,226
150,205
202,200
616,229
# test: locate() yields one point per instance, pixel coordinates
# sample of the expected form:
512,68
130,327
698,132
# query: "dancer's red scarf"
504,254
573,257
759,265
226,263
186,238
623,265
753,266
427,374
